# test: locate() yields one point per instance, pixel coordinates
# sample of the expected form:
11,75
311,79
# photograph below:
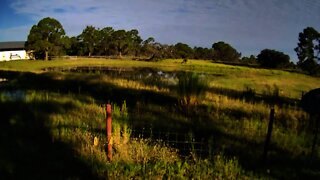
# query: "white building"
14,50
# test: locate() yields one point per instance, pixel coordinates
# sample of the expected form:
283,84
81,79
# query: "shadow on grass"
27,149
250,96
281,163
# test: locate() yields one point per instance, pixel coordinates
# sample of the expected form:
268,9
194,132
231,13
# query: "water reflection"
152,76
17,95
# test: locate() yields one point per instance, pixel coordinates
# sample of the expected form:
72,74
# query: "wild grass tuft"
191,90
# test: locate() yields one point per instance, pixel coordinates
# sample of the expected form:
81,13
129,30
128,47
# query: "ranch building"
13,50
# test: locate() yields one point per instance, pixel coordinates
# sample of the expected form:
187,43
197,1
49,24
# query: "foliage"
203,53
225,52
273,59
89,38
191,89
183,51
123,41
148,48
134,41
249,60
74,47
308,50
46,38
105,39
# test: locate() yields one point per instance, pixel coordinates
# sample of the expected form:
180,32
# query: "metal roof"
12,45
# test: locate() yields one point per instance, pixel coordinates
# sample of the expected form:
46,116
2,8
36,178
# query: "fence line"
184,142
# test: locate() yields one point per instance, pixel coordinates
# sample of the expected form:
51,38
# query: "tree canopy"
249,60
45,38
105,39
202,53
308,50
89,39
183,50
273,59
225,52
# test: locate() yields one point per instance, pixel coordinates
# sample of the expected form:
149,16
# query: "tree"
134,41
202,53
225,52
148,48
65,45
89,38
166,51
249,60
105,36
273,59
151,49
45,38
120,42
183,51
308,50
73,47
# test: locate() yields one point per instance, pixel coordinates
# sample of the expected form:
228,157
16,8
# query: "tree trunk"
46,55
120,54
47,51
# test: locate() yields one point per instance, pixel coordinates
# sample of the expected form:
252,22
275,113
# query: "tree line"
48,38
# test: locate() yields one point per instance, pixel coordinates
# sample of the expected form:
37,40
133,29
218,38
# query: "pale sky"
248,25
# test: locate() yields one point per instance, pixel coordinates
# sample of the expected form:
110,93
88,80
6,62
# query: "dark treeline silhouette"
48,38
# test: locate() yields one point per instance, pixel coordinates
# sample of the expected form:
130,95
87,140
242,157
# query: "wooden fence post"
268,137
108,132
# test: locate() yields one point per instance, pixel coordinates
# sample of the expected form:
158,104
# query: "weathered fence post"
108,132
268,137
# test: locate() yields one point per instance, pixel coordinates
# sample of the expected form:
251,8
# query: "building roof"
12,45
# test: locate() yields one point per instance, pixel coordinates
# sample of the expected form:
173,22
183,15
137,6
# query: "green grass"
224,76
232,116
74,122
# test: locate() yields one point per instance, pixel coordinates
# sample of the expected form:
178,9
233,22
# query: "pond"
138,73
152,76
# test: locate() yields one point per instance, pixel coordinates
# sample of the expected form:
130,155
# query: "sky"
248,25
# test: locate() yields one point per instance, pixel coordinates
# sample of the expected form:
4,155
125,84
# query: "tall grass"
191,90
80,124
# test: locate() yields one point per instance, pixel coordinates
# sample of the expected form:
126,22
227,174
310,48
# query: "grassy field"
223,76
53,118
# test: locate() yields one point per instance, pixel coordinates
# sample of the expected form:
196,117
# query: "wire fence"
185,143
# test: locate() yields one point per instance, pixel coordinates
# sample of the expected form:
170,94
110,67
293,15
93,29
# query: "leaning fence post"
268,137
108,132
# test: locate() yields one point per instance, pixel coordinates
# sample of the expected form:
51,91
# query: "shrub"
273,59
191,88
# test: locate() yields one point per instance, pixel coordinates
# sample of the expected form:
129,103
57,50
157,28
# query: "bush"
273,59
191,88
